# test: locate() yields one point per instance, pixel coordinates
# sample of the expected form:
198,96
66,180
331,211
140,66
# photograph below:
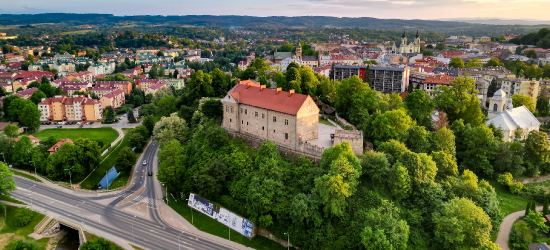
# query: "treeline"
541,39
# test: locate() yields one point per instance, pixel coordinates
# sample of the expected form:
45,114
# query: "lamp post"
191,211
166,193
179,247
34,167
287,241
30,195
70,176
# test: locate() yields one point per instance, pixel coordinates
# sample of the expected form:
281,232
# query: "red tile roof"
440,79
268,99
58,144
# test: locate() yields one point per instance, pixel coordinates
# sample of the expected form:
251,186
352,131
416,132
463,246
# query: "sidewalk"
506,228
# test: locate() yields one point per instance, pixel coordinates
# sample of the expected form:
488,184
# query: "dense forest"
446,27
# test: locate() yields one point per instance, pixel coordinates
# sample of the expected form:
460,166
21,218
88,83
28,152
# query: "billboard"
222,215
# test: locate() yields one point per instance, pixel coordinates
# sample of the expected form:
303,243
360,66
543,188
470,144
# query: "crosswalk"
151,202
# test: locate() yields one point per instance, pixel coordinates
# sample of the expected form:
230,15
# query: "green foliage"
100,244
7,183
126,160
109,115
139,137
519,100
23,217
131,118
391,125
460,101
419,106
385,230
536,221
446,165
461,225
457,63
11,130
169,128
23,245
505,179
515,188
213,108
480,148
545,209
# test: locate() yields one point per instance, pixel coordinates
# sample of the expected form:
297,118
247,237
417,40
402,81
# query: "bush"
537,193
516,188
22,245
22,217
348,127
505,179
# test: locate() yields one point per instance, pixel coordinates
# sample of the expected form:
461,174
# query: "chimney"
262,87
290,92
279,90
247,85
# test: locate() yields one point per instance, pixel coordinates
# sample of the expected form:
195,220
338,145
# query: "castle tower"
497,103
299,51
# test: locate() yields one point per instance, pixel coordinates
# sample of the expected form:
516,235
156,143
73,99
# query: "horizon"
381,9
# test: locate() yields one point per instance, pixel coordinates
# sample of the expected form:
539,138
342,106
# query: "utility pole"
191,211
70,176
287,241
30,195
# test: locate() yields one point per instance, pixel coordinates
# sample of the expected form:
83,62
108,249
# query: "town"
127,135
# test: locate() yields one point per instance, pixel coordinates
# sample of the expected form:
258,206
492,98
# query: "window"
246,111
263,115
241,110
246,123
242,121
262,127
256,114
495,108
274,119
286,122
286,136
230,120
226,108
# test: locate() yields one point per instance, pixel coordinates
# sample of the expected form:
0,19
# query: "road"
102,216
506,228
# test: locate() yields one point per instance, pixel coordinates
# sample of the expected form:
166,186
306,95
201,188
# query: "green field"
12,200
8,227
93,237
105,135
78,32
211,226
96,176
26,176
326,122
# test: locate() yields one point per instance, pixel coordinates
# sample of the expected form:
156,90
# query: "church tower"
299,51
417,39
497,103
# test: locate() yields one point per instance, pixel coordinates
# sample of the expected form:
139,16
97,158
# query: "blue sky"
402,9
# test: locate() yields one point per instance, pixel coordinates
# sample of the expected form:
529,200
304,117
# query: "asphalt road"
111,221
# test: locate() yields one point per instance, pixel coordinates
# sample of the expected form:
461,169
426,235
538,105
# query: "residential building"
26,94
6,87
113,99
176,83
285,118
75,108
432,82
504,116
384,79
520,86
243,65
83,76
4,124
125,86
145,83
56,147
35,141
100,91
155,87
310,61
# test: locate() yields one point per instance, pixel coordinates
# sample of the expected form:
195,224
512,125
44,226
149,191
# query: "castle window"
274,119
241,110
263,115
246,123
246,111
286,136
242,121
495,108
227,108
286,122
262,127
256,114
230,120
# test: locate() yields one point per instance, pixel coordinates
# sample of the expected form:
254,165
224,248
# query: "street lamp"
70,176
30,195
191,211
287,241
179,247
166,192
34,167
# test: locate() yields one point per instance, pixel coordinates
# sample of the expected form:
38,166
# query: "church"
504,116
413,47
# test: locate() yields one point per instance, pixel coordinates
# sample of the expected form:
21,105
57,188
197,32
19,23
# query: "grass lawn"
93,237
12,200
26,176
98,174
120,180
324,121
105,135
510,202
22,232
211,226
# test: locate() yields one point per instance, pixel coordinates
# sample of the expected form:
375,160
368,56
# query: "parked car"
58,126
124,115
81,126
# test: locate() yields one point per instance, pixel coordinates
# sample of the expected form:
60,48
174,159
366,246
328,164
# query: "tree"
390,125
536,221
292,74
109,115
543,105
149,123
420,106
494,62
7,183
421,167
167,105
161,93
440,46
139,137
47,89
126,159
537,149
375,166
23,152
11,130
462,225
100,244
480,150
162,73
457,63
520,100
545,209
446,165
212,108
148,110
474,63
460,101
385,230
528,208
492,88
131,118
169,128
531,54
443,140
37,96
417,139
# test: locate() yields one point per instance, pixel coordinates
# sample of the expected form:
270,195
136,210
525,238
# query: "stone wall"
343,121
354,137
533,180
270,236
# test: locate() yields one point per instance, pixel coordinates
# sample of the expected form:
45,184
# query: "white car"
144,162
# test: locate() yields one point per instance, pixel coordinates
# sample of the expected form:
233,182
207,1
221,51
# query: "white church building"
504,116
413,47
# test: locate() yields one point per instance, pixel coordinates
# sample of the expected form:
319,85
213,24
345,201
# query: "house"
145,83
176,83
285,118
35,141
504,116
6,87
310,61
243,65
432,82
114,99
100,91
27,93
84,76
4,124
538,246
22,83
125,86
55,147
155,87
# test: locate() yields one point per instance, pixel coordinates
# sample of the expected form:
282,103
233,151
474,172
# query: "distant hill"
443,27
498,21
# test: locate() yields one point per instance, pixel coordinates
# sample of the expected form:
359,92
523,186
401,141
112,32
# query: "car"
91,123
150,173
124,115
58,126
144,162
81,126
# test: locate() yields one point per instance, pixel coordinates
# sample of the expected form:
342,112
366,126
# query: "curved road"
506,228
102,216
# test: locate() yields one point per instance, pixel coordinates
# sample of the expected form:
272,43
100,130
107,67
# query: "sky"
398,9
